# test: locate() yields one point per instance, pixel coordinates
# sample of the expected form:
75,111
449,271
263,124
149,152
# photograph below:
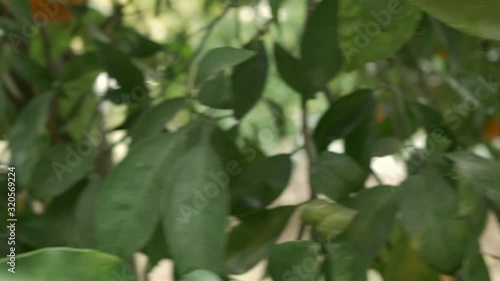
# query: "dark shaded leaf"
429,208
320,53
342,118
260,183
119,66
337,175
376,214
287,257
249,79
217,93
252,240
291,71
343,262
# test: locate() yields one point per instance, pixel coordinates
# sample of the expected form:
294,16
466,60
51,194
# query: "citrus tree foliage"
172,127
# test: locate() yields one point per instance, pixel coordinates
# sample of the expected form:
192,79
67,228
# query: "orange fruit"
491,129
53,10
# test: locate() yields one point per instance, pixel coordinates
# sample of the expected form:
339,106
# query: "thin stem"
46,49
328,95
204,39
309,145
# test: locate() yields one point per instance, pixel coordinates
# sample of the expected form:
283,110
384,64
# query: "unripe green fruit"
335,223
317,210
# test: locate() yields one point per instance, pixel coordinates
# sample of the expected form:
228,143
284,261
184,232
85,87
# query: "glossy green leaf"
154,119
219,59
436,232
45,265
217,93
296,259
342,117
343,262
249,79
478,18
59,168
376,209
119,66
195,207
252,240
27,140
201,275
375,30
404,264
320,53
260,183
337,175
128,207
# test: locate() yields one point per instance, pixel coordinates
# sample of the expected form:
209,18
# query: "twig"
329,95
204,39
46,48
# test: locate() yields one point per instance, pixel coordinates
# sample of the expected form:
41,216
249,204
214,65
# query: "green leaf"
156,248
27,137
249,79
219,59
320,53
201,275
135,44
386,146
480,173
252,240
375,30
343,262
59,168
153,120
31,72
260,183
477,18
429,208
342,117
474,267
196,206
376,214
119,66
404,264
335,223
45,265
291,71
217,93
317,210
337,175
359,142
294,260
124,197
